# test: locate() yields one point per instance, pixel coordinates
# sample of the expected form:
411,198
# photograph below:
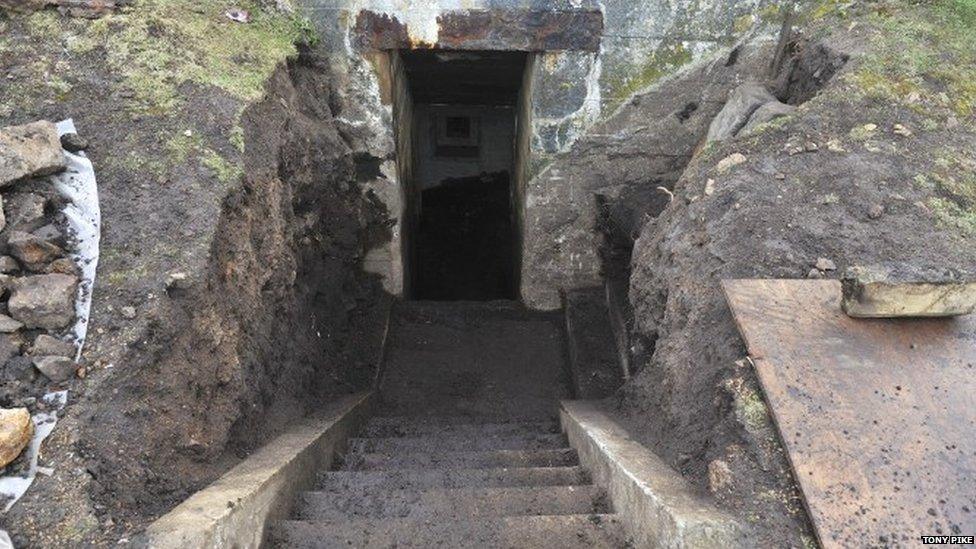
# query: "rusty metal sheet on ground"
878,416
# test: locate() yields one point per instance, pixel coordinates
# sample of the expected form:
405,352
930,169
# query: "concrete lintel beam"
505,29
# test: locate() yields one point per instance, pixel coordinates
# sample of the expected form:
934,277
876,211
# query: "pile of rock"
38,281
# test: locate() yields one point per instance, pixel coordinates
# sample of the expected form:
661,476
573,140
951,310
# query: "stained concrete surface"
473,359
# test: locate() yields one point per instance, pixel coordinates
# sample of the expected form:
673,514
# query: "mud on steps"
481,498
480,360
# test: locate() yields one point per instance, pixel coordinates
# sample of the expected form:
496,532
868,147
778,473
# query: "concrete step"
563,531
412,427
452,503
452,478
460,419
457,442
356,461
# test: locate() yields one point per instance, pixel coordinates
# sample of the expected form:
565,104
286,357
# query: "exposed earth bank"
282,317
233,218
877,167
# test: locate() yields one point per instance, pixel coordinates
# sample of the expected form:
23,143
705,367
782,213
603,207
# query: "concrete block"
235,510
657,506
889,292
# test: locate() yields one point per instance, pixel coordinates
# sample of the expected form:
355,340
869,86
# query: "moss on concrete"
664,61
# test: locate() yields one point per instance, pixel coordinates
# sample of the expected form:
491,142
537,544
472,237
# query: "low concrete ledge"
895,292
657,506
234,510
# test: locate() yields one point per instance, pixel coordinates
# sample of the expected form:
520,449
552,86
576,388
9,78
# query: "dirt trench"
282,319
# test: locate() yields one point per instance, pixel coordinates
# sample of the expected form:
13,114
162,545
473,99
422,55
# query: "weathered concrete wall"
496,128
389,260
523,147
577,79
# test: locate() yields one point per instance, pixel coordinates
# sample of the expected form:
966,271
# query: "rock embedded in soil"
46,345
24,211
50,233
9,347
9,325
825,264
890,292
742,104
56,368
73,142
20,368
719,475
31,150
44,301
33,251
730,162
8,264
16,431
62,266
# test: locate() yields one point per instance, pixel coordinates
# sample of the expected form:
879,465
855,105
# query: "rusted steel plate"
507,29
878,416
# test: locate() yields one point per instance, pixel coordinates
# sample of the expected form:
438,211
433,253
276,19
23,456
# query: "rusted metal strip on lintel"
505,29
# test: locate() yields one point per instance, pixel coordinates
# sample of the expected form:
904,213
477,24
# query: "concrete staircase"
454,481
467,451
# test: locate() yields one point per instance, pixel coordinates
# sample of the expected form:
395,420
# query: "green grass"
924,56
953,181
157,45
153,49
666,60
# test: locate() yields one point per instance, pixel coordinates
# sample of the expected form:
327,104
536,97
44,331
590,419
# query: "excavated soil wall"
282,320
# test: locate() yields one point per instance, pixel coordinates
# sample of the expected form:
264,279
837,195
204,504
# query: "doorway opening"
461,149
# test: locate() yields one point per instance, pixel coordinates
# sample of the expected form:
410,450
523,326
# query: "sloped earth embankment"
877,167
230,299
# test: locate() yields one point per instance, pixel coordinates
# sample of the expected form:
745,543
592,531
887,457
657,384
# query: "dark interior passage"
464,241
463,154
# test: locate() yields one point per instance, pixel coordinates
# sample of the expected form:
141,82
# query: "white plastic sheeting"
77,185
15,486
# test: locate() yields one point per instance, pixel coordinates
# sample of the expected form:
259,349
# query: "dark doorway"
464,241
464,134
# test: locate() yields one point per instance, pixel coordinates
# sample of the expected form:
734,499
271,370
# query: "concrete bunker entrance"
458,147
